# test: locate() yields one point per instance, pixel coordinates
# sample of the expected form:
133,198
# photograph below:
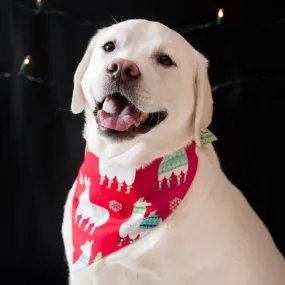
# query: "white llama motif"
131,227
81,179
122,175
84,258
97,215
176,164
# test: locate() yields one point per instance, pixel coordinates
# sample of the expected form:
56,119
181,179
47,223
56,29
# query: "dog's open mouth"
117,115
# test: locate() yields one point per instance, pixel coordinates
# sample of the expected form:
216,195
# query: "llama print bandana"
113,207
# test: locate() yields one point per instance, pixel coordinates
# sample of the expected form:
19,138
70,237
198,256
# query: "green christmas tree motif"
99,256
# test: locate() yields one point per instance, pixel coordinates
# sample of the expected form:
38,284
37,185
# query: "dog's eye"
165,60
108,47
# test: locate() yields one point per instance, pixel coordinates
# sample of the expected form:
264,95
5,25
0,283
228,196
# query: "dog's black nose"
123,69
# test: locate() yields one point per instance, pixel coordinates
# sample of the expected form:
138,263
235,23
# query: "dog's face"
143,87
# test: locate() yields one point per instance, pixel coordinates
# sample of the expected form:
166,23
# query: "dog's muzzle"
118,115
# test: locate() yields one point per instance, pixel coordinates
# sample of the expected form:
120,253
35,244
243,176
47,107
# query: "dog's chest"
113,207
148,261
170,254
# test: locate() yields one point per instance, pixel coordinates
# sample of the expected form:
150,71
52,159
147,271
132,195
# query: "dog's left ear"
203,98
78,99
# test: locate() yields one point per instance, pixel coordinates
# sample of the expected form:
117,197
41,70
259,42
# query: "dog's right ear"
203,98
78,98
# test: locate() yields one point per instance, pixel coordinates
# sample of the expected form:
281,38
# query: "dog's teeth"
143,117
105,104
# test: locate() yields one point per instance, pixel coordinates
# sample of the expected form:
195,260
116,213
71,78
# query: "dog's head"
145,92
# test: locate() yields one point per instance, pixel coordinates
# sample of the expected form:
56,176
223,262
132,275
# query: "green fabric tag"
207,137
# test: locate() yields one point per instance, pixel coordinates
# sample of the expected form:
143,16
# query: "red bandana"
112,207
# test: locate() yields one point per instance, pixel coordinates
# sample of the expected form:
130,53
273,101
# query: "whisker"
66,110
151,118
158,120
116,22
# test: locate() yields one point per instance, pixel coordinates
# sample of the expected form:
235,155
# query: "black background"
41,143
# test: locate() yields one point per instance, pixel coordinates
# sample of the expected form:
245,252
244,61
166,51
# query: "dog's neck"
137,152
134,153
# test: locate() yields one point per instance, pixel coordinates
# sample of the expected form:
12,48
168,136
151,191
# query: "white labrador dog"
214,237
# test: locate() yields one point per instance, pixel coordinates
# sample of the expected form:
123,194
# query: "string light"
40,4
97,24
220,16
25,63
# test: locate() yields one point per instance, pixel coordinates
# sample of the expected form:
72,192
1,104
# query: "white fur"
214,237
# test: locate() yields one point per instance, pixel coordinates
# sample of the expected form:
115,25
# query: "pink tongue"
118,114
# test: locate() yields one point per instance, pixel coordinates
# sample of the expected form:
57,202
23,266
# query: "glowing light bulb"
27,60
221,13
220,16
